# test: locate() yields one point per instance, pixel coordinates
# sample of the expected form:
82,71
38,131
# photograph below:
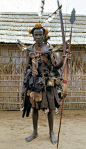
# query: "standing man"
40,80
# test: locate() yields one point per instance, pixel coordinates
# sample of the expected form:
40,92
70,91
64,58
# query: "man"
40,80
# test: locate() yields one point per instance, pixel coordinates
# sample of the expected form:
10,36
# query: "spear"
72,20
65,72
65,65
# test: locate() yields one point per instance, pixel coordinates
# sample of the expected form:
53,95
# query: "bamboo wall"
76,98
12,64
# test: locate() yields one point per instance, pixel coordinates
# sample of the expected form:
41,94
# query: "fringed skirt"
50,100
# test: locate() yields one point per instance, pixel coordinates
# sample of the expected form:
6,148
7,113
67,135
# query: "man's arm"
27,60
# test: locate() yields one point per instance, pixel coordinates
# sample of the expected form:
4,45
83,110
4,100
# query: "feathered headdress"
38,26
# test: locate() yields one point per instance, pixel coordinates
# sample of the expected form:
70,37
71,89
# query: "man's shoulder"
30,48
49,46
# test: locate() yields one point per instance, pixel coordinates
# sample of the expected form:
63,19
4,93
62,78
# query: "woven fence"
12,64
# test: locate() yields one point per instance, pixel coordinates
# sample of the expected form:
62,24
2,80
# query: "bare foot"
52,137
33,136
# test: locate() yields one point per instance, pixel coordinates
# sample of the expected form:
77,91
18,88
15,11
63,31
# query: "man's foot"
30,138
53,139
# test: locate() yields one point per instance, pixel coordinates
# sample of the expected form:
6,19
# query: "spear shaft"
65,70
66,61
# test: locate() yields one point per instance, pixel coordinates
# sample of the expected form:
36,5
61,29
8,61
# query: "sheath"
40,83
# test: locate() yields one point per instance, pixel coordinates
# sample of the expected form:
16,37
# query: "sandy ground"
14,129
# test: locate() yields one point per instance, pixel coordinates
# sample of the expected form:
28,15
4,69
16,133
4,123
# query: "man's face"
38,36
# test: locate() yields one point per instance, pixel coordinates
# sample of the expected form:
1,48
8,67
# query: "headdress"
38,26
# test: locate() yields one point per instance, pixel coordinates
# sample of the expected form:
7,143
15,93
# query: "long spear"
65,71
72,19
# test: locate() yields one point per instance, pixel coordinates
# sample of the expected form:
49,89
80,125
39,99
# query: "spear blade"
72,19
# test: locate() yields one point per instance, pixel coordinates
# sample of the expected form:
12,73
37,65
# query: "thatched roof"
15,26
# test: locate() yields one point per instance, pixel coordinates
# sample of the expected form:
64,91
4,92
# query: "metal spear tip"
72,19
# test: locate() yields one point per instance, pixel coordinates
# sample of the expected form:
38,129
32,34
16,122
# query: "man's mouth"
38,41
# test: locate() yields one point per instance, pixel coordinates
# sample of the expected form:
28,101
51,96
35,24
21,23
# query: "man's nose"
38,36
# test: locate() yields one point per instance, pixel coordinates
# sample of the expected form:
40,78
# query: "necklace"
38,49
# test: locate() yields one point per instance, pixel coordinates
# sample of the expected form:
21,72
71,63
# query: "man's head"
38,33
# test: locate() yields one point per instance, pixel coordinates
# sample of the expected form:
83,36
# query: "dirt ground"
14,129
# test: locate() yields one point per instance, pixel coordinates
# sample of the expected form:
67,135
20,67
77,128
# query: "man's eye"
38,34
